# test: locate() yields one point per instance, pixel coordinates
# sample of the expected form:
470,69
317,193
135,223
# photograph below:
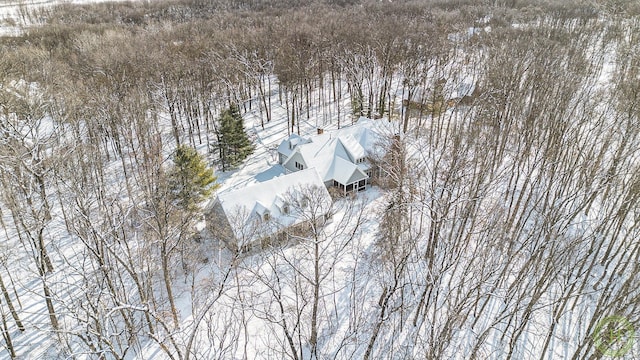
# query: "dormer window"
262,211
299,166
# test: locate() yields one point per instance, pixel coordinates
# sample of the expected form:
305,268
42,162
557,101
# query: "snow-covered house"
259,213
340,157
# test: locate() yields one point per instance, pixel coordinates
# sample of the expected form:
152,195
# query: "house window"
285,208
335,183
299,166
266,217
304,201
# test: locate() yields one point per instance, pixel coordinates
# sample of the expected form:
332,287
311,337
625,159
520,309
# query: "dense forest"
510,228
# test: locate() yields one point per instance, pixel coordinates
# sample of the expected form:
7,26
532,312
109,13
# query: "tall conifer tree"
234,143
191,180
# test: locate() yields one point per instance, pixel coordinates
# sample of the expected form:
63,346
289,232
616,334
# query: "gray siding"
356,176
291,164
218,225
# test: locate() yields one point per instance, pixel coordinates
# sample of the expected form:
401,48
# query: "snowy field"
15,14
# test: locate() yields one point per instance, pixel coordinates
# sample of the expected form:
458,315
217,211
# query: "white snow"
15,14
351,289
342,170
270,197
336,154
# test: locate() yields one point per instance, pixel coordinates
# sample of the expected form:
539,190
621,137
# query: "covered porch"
353,187
348,177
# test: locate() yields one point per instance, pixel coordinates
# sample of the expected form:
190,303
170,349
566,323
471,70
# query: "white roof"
289,143
255,200
352,146
320,153
261,208
279,202
342,171
349,143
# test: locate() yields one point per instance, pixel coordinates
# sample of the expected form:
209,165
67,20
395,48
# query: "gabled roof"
261,208
287,145
352,146
279,202
349,143
342,171
252,202
319,154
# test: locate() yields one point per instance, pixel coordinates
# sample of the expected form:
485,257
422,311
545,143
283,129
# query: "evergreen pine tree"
234,144
190,179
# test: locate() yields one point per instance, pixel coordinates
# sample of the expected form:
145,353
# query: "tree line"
507,230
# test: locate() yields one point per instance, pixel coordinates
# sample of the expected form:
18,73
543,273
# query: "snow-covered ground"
244,320
39,343
14,14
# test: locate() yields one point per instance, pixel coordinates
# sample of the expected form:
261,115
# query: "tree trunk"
47,297
12,309
316,299
167,283
7,335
